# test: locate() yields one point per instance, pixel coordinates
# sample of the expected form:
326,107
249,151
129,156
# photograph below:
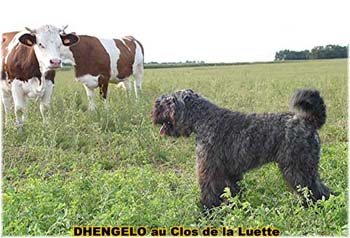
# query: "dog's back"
259,138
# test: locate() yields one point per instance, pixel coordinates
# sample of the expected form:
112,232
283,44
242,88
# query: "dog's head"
173,112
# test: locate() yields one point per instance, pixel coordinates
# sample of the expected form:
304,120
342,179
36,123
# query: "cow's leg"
138,73
19,100
46,99
25,112
103,93
103,82
127,87
90,94
90,83
6,99
138,86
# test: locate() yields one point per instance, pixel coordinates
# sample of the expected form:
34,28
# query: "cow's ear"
27,39
69,39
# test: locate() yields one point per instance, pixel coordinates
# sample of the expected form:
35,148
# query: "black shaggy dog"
231,143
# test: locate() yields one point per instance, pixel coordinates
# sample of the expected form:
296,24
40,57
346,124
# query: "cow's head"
47,41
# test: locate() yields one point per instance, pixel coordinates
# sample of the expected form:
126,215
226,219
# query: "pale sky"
213,31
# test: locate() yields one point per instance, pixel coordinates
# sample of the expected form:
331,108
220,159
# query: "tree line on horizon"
318,52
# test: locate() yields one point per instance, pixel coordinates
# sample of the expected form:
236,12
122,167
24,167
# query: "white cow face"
47,41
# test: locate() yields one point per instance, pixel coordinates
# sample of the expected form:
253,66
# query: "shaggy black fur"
230,143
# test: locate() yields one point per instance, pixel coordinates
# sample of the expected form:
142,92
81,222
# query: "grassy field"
110,167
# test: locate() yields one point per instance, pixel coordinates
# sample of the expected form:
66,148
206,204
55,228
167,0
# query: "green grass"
112,168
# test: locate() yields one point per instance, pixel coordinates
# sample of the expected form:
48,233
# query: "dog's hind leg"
232,183
303,172
319,189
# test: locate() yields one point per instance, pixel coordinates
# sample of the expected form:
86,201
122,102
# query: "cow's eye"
41,46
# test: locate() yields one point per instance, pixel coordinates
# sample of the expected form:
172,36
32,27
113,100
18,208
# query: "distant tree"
292,55
329,52
318,52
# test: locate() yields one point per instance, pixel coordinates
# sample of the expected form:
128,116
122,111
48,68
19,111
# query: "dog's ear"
159,99
170,103
164,107
188,94
170,100
164,100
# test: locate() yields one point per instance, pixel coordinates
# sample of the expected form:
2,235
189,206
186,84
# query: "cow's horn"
63,28
30,30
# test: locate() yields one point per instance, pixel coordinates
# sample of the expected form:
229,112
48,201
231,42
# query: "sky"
210,31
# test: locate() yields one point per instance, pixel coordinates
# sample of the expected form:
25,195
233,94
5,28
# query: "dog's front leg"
212,183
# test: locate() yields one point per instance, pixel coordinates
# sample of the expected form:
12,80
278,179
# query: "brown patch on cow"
126,57
22,63
90,57
50,75
6,39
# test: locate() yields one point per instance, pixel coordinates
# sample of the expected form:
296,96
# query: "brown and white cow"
29,61
99,62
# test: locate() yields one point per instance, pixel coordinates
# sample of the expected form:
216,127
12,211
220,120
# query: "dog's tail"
308,104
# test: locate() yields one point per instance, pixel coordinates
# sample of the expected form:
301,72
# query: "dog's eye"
186,98
41,46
